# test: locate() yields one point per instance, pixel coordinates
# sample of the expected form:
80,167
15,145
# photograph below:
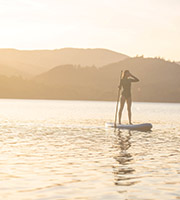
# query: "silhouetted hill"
32,62
159,80
10,71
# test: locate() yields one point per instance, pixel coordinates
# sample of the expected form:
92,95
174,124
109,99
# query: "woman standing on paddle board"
125,85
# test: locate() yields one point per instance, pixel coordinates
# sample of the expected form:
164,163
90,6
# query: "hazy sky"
148,27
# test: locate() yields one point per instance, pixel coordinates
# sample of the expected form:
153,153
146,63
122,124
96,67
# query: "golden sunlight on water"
62,150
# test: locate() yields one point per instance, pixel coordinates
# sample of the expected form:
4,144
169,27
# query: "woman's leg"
122,101
129,102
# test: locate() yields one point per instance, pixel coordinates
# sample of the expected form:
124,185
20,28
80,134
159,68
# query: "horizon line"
95,48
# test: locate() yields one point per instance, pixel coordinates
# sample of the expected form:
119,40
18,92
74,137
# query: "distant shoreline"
35,99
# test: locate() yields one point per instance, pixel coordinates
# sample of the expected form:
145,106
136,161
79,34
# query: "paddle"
117,104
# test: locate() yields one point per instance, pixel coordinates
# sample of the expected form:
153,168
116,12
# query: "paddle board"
138,127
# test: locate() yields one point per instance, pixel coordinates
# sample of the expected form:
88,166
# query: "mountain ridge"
159,79
32,62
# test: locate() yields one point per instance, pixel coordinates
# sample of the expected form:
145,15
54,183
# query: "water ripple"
59,157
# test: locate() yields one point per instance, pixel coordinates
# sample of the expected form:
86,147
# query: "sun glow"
131,27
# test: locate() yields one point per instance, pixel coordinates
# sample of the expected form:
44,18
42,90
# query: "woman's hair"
125,72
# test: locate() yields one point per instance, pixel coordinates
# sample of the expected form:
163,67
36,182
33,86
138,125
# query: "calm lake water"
62,150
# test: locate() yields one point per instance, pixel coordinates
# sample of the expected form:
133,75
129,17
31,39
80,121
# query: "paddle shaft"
117,104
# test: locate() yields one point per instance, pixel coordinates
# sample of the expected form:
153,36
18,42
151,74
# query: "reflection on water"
122,169
56,150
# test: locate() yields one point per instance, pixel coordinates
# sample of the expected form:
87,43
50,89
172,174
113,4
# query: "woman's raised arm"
135,79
